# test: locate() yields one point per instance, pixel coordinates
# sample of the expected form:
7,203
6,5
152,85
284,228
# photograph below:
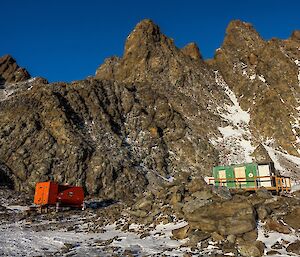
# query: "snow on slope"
235,143
286,164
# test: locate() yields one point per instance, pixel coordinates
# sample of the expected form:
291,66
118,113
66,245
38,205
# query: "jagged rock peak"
10,71
145,34
239,24
192,50
239,29
146,29
241,36
296,35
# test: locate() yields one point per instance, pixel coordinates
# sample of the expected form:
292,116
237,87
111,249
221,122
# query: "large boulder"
226,218
252,249
292,218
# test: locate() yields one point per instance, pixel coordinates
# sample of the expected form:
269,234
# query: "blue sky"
67,40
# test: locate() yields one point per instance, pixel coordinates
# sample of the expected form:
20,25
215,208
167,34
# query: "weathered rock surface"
274,225
292,218
181,233
268,81
294,247
253,249
10,71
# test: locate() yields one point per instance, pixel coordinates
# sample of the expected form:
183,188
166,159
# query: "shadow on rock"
98,204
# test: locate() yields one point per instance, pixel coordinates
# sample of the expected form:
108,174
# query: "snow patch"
17,208
252,77
261,78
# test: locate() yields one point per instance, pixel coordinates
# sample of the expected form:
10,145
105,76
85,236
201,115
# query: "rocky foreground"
182,218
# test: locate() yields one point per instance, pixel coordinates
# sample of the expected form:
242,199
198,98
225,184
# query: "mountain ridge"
155,113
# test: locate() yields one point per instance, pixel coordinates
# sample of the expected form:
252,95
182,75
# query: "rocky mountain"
156,113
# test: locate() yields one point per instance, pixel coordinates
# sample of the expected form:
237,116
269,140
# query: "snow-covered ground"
271,238
49,235
20,239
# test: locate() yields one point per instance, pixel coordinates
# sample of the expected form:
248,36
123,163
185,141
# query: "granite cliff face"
155,113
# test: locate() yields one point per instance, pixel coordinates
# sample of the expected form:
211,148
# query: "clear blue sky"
67,40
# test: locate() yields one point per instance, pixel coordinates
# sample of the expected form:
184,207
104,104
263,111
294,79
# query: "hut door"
240,174
264,170
222,175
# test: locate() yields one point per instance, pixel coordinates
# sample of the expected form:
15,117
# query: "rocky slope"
157,112
264,75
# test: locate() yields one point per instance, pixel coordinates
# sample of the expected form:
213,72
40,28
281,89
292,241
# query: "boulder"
202,195
231,239
196,236
194,204
217,237
294,247
222,192
292,218
263,212
253,249
181,233
278,226
250,236
144,204
226,218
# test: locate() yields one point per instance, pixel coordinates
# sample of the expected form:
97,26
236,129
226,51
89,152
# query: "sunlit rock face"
156,112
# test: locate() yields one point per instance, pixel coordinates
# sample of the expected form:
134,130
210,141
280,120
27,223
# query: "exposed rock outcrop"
10,72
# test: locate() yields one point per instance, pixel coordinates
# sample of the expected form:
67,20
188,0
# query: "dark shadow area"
2,82
5,177
100,204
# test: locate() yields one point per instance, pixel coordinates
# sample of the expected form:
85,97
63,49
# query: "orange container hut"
51,193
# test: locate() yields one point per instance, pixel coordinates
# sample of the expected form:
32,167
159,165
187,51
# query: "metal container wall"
224,172
70,196
245,173
50,193
46,193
